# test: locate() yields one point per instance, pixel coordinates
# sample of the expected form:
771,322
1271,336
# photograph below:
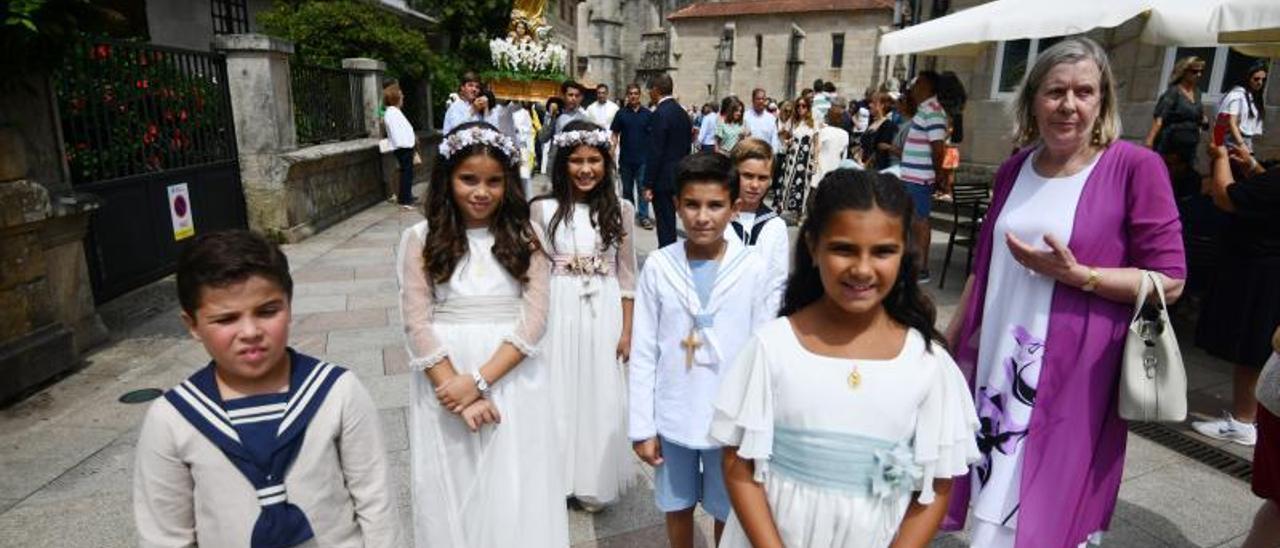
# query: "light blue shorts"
689,476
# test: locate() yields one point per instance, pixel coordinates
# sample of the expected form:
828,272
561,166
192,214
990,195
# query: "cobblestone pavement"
66,452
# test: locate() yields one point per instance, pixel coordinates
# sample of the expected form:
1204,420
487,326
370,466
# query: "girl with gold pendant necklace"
845,419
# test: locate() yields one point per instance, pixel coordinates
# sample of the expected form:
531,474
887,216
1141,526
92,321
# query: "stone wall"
324,184
695,48
189,23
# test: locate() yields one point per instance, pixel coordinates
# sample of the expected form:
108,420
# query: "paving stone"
1143,456
101,520
364,363
31,459
311,344
395,360
395,429
375,300
318,303
320,322
323,274
387,271
356,287
350,340
6,504
388,391
1187,504
634,511
107,470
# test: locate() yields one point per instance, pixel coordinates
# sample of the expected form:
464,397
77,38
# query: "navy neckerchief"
280,523
763,215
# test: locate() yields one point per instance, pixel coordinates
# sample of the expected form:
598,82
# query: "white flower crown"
479,136
593,137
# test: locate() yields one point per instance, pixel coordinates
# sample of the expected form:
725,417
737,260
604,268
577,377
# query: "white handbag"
1153,382
384,146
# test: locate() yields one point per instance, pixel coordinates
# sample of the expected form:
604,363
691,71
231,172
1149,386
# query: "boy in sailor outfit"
697,303
264,446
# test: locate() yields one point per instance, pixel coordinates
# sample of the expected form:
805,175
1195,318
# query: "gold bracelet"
1092,283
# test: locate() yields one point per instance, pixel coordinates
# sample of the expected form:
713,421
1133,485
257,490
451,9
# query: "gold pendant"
855,379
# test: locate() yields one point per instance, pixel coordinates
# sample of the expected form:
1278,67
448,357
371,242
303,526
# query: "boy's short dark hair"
707,167
219,259
571,84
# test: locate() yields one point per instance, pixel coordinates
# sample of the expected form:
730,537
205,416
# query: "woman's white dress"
1010,354
500,486
839,464
589,386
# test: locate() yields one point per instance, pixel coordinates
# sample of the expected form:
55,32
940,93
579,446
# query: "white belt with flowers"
587,268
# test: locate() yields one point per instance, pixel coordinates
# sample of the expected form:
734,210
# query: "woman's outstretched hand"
1057,262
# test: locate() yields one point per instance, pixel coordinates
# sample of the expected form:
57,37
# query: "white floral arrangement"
460,140
528,56
595,138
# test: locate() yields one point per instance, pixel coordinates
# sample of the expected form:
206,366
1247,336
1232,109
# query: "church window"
837,50
230,17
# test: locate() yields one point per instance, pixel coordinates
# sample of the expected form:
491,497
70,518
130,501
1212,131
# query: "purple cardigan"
1074,453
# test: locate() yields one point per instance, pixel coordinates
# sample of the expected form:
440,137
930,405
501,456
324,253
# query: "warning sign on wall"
180,212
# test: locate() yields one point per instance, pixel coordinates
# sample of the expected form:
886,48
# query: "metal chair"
972,199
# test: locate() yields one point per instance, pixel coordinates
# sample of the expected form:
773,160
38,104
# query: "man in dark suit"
670,138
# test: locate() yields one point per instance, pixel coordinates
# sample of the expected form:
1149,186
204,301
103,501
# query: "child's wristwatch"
481,384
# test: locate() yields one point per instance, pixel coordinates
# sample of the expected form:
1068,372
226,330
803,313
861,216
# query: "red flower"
100,51
182,115
142,84
82,146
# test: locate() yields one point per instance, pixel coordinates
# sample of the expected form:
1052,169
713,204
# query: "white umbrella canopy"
965,32
1251,26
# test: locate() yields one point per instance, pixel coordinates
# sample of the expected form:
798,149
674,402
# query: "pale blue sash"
859,465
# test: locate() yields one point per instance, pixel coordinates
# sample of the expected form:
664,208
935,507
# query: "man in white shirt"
760,122
463,110
602,111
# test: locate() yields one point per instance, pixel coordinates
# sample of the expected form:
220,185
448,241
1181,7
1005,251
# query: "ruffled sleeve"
421,342
744,407
946,424
626,258
534,302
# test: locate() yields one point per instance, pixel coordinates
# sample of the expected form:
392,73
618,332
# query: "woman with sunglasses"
802,144
1179,114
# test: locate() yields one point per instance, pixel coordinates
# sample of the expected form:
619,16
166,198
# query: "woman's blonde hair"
1106,128
1183,65
392,96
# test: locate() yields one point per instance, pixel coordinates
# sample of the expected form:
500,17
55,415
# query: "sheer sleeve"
421,341
946,422
627,252
744,408
535,301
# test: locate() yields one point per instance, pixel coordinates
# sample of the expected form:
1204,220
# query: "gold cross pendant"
690,345
855,378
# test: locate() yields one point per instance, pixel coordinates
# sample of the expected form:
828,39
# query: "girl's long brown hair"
606,211
446,245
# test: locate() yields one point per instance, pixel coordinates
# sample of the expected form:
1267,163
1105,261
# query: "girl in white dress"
845,419
473,297
588,231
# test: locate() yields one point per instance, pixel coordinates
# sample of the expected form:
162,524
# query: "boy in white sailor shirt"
756,225
697,303
264,447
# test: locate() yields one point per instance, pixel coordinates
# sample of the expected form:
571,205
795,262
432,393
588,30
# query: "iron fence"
326,104
129,108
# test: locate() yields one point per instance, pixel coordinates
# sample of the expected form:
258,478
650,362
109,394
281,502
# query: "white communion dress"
589,386
839,462
500,486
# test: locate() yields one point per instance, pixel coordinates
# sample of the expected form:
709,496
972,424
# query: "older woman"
403,140
1179,115
1076,216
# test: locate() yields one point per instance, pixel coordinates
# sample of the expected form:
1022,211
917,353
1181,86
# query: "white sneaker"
1229,429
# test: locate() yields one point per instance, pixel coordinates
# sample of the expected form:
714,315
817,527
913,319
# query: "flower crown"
594,137
460,140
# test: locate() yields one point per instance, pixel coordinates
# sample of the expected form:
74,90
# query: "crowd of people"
801,392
